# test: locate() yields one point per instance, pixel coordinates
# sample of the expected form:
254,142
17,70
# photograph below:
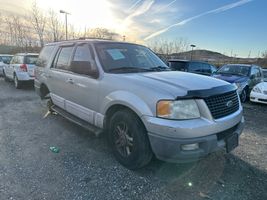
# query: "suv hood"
176,83
231,78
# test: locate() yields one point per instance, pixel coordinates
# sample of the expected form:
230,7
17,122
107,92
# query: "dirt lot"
85,169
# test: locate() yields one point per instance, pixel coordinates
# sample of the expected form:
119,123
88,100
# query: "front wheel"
244,95
128,140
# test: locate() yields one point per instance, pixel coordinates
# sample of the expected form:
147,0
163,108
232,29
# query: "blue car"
244,76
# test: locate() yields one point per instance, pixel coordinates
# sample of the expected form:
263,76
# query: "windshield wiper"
128,69
159,68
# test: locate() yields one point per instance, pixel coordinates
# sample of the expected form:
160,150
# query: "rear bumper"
169,149
24,76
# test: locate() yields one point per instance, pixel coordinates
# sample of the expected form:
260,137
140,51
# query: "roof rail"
88,38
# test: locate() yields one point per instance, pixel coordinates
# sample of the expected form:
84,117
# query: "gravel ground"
85,168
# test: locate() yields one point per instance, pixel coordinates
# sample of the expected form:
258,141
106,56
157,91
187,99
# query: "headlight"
256,89
181,109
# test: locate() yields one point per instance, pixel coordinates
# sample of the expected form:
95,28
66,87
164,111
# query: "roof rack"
90,38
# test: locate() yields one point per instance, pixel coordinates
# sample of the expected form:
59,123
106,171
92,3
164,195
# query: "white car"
4,61
264,74
21,68
259,93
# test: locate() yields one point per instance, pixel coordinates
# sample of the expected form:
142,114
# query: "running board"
97,131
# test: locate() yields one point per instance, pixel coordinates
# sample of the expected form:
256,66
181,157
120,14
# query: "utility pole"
193,46
66,21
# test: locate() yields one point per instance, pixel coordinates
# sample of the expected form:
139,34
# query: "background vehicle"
264,75
245,77
192,66
144,108
21,68
4,60
259,93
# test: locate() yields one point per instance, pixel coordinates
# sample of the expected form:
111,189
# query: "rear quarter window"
45,56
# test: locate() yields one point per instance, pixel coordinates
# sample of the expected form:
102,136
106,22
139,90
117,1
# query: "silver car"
21,68
4,61
128,93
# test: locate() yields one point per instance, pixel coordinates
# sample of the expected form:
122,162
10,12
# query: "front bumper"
258,97
167,141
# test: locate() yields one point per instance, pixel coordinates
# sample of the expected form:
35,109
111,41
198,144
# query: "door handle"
69,80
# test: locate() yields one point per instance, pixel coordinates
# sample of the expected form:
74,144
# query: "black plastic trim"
201,94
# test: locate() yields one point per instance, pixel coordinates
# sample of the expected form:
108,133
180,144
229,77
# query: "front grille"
223,104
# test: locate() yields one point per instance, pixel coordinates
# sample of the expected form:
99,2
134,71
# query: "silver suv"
125,91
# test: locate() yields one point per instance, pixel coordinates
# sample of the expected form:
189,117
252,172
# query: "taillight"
23,67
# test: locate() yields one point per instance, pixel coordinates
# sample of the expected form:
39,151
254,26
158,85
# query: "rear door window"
63,58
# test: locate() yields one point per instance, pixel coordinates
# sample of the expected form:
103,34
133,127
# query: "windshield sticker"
115,54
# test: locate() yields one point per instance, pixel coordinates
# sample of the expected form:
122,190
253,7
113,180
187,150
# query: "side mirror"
252,76
83,67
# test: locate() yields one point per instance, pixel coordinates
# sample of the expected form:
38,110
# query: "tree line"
38,27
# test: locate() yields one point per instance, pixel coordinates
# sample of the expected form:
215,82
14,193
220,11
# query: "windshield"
5,59
31,59
121,57
234,70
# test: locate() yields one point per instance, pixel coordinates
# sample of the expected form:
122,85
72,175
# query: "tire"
17,83
128,139
5,77
244,95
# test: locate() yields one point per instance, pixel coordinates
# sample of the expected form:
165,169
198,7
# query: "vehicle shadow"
219,176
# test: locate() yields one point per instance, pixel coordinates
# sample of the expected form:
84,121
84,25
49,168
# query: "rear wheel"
17,83
5,77
128,139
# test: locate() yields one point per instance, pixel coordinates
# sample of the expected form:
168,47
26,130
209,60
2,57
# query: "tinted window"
63,58
234,70
45,56
194,67
82,62
31,59
265,74
179,66
82,53
206,68
5,59
256,72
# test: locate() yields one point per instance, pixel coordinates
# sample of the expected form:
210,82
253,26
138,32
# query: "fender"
127,99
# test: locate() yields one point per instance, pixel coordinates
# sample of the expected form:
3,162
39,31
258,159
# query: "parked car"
259,92
192,66
4,60
264,75
125,91
21,68
245,77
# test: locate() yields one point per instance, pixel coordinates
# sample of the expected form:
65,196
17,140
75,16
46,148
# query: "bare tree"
101,33
39,21
54,27
167,48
